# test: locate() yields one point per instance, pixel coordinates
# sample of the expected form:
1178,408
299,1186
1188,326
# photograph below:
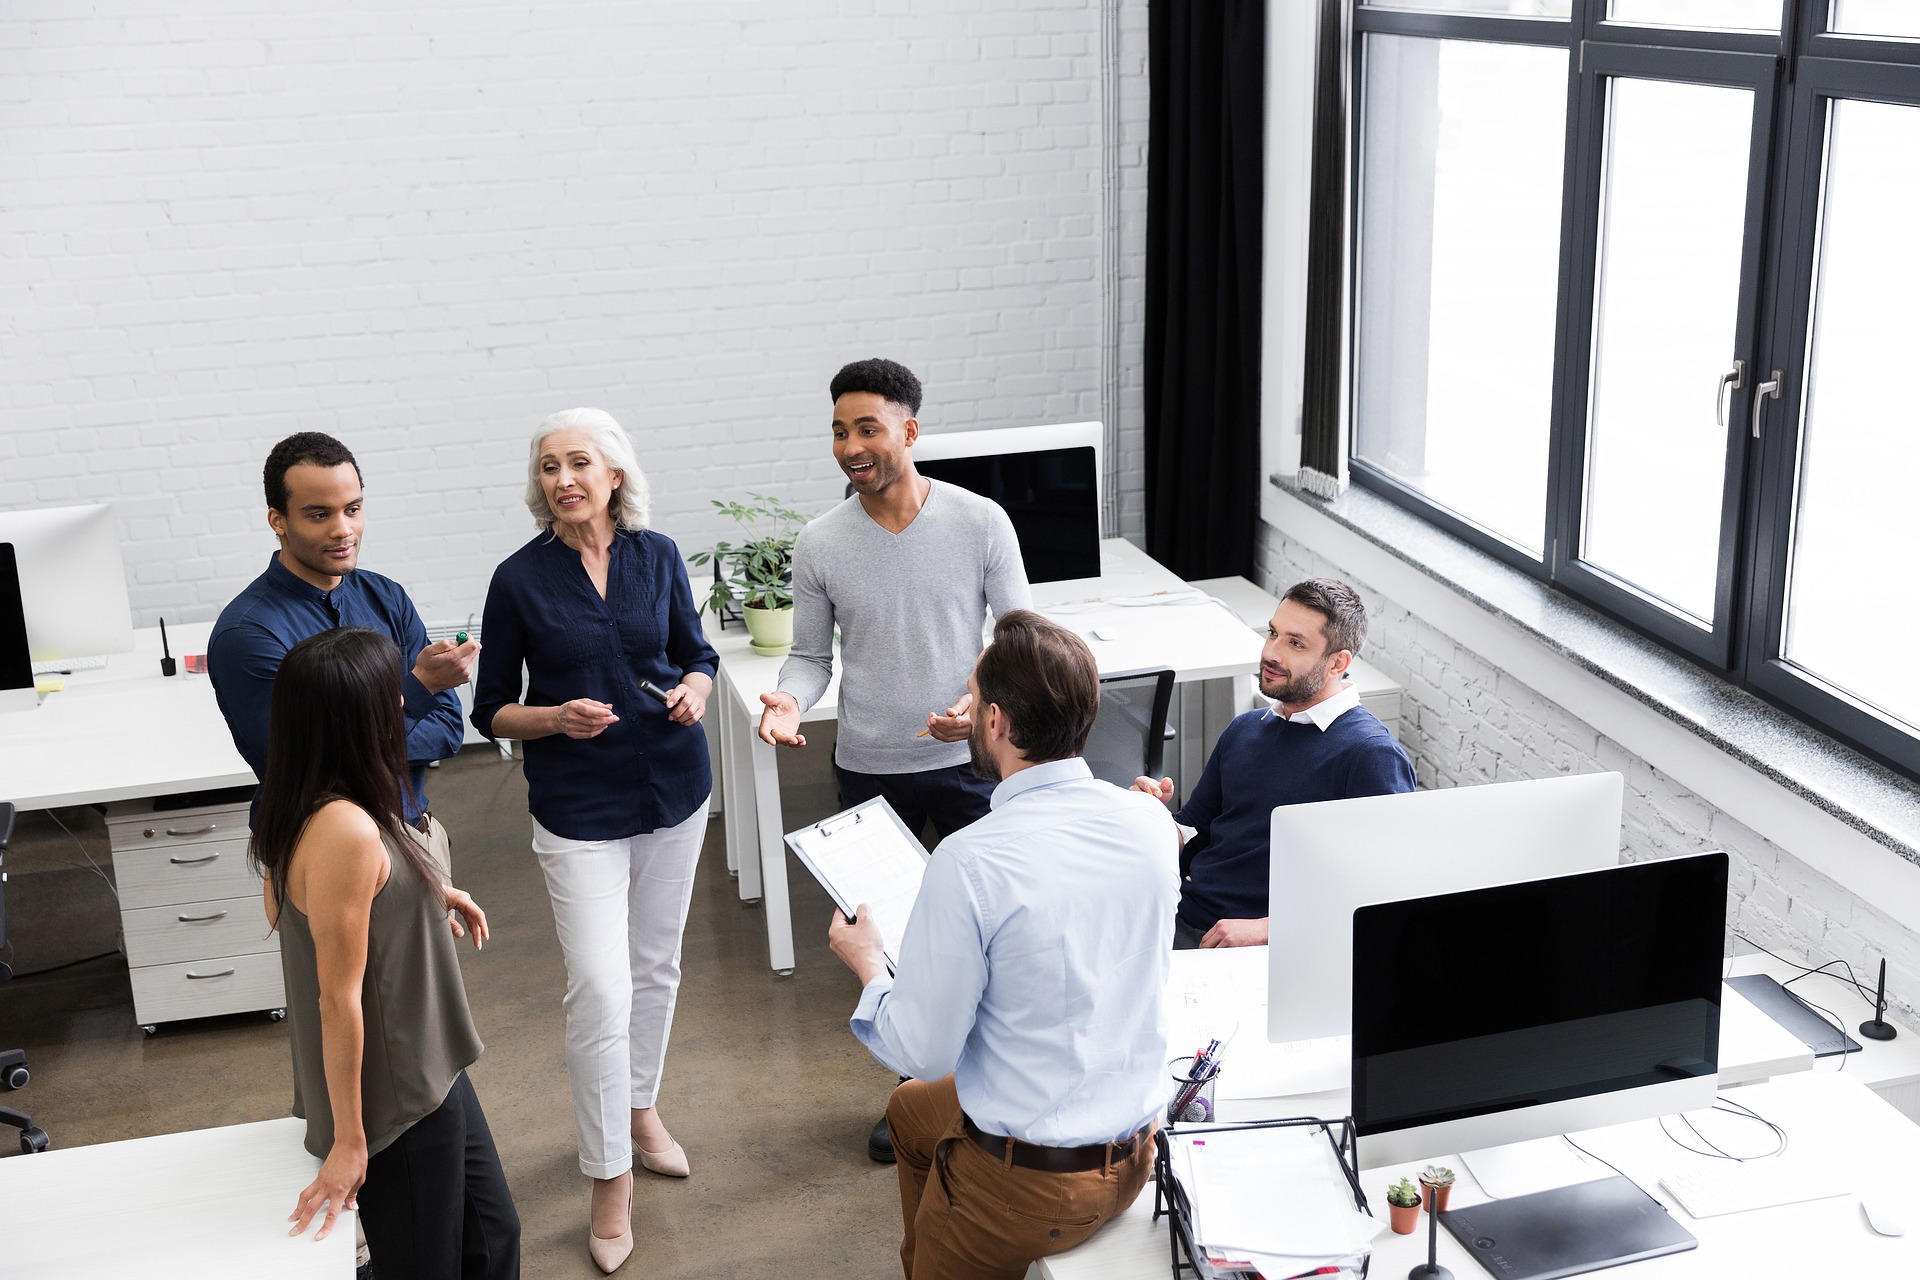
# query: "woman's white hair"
631,502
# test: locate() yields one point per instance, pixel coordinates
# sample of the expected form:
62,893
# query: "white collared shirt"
1035,961
1327,710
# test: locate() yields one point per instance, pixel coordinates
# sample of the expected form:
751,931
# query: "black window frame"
1794,73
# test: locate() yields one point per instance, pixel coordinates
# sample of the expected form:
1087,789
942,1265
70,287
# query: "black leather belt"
1055,1159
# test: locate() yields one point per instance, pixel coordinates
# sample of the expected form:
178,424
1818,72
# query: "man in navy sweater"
1316,743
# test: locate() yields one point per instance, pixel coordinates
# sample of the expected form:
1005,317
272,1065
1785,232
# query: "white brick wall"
423,228
1465,721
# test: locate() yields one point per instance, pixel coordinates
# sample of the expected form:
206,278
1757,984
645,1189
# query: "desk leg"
1191,724
743,850
773,855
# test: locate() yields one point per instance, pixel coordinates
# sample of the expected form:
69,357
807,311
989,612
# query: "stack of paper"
1273,1202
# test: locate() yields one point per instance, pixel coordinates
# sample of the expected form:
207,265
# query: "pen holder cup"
1191,1100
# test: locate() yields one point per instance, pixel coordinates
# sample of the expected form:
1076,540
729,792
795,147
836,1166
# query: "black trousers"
435,1204
952,798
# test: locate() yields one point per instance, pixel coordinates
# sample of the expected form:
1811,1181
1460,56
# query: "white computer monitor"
73,586
1531,1010
1046,478
1331,857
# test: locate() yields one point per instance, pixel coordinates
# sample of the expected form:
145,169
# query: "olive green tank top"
419,1033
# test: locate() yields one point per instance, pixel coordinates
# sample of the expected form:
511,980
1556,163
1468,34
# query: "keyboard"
64,666
1757,1184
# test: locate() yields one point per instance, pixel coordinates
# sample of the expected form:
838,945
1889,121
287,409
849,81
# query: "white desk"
1200,642
211,1203
122,733
1823,1114
1224,987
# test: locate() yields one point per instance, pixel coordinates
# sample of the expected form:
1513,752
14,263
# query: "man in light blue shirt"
1027,1007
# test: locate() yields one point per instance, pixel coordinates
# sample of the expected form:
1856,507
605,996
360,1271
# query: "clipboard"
866,854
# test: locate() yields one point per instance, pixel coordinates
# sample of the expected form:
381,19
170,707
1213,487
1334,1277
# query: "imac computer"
1047,479
1331,857
72,585
1532,1010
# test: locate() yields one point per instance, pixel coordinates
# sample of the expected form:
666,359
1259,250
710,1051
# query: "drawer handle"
193,862
196,831
218,915
224,973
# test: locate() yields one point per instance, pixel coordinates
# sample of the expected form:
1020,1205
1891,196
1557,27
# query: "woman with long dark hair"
376,1009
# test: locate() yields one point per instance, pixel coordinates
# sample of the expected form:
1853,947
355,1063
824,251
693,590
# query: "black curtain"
1205,178
1320,417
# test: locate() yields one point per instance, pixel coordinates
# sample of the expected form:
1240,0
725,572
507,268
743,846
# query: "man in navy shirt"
1316,743
314,507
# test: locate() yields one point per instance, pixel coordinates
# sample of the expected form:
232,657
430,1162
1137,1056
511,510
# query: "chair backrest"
1129,734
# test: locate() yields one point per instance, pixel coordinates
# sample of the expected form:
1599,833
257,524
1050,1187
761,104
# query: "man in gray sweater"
908,568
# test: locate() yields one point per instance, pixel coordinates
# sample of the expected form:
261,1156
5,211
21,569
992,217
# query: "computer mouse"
1884,1215
1104,633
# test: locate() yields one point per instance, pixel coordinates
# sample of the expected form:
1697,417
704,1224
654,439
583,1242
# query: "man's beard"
983,764
1302,688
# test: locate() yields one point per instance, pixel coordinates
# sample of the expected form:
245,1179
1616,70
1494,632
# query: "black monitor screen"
1051,495
1493,999
16,662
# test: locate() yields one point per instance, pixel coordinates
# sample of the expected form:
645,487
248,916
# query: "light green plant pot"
771,629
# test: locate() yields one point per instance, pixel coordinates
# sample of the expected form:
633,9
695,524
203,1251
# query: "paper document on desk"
866,855
1220,993
1279,1192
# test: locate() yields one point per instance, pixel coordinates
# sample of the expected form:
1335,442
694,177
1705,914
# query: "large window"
1633,290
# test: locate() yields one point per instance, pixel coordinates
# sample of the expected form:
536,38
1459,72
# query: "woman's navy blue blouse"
643,772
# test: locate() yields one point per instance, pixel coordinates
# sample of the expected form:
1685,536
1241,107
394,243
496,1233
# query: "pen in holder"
1192,1098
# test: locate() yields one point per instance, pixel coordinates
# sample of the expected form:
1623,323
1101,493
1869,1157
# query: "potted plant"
758,572
1438,1180
1403,1207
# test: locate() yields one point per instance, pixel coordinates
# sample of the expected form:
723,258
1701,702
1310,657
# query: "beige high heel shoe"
671,1163
609,1255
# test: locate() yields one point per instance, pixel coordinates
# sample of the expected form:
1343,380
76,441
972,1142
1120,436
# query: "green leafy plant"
1403,1194
1437,1175
759,570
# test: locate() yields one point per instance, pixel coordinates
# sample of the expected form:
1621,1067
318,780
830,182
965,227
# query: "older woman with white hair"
598,609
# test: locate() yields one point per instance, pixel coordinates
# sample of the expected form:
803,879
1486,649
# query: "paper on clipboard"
866,855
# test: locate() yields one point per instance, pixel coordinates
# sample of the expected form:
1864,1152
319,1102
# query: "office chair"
13,1062
1130,733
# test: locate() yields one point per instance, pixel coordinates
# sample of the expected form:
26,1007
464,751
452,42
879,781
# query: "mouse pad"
1568,1230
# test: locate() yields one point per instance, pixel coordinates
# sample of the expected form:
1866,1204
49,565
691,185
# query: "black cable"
1589,1155
55,968
91,864
1851,977
1714,1152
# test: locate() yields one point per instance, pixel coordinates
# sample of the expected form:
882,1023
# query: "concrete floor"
765,1086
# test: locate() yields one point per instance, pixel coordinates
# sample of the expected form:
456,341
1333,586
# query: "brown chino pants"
972,1216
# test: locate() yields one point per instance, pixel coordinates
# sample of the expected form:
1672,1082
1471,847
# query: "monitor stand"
1567,1231
1521,1168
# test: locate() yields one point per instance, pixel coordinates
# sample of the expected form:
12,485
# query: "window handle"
1761,394
1729,382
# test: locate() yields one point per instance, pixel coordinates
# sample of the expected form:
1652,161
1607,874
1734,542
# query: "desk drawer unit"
196,934
204,988
189,931
182,873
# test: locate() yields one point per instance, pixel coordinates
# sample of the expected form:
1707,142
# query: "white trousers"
620,907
